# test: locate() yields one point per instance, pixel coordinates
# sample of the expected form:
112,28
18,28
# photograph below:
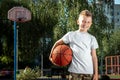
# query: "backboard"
19,14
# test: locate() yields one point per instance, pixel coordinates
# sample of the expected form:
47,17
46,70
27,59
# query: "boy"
84,65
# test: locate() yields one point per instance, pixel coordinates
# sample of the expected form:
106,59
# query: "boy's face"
84,23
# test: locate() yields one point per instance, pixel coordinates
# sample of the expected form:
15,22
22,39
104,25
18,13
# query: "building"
116,16
111,10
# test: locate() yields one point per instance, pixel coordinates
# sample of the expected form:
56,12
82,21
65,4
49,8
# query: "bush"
29,74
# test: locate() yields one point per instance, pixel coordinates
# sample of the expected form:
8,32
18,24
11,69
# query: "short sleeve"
94,44
65,38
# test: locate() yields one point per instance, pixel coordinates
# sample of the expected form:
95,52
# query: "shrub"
29,74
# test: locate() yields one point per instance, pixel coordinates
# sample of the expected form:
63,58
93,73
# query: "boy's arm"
95,64
59,42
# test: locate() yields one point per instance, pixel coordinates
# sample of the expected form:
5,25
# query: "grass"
114,76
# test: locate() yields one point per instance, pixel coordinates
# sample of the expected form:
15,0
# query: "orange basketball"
62,55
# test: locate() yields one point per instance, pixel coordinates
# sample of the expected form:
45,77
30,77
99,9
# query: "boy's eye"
84,21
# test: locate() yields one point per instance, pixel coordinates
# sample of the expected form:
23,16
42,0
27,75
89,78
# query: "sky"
117,1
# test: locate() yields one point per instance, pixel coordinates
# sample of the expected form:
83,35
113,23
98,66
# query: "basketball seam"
63,55
66,58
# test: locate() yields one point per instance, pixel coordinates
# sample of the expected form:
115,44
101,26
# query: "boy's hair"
86,13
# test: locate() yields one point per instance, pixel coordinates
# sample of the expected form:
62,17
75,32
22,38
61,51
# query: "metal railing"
112,65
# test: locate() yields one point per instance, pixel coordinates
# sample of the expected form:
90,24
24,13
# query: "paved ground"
40,79
37,79
51,79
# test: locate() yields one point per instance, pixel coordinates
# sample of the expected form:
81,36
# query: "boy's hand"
95,77
50,58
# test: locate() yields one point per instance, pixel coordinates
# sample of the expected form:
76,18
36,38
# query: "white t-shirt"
81,44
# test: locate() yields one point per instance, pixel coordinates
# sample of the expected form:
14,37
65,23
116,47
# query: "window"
117,13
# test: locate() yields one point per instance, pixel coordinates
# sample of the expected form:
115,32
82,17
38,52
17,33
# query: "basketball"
61,55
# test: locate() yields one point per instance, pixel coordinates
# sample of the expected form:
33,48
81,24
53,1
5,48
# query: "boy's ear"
78,22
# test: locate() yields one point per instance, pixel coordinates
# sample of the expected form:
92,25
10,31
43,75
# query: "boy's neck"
83,31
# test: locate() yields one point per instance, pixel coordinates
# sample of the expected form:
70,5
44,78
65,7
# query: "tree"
6,33
102,30
50,21
39,28
67,16
115,42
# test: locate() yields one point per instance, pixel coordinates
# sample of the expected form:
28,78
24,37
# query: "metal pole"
41,65
101,63
42,56
15,49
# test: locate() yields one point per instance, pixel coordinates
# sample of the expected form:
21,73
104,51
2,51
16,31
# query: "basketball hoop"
19,14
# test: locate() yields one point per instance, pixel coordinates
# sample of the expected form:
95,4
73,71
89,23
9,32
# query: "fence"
112,65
